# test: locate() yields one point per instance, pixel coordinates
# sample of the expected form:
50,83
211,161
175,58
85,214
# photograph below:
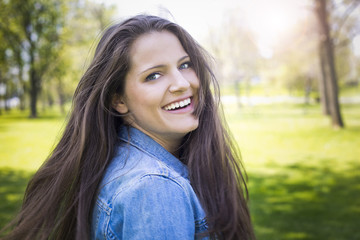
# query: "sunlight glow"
356,45
269,20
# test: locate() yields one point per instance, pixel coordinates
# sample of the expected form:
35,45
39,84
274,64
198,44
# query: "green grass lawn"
304,176
25,143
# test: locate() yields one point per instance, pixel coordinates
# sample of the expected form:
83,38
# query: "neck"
171,143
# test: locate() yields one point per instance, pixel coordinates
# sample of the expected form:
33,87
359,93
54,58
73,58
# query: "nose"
179,83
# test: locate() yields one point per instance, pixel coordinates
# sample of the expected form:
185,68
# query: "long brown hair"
59,198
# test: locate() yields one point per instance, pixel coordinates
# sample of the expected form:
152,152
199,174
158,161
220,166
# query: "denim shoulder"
146,199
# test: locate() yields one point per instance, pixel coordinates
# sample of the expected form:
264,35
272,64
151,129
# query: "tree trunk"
1,98
21,86
331,84
33,96
22,98
308,89
6,102
34,82
333,87
324,98
61,96
33,75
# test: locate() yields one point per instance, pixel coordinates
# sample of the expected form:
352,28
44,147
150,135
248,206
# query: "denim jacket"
146,194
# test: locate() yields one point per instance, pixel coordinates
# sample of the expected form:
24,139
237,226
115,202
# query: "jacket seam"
148,175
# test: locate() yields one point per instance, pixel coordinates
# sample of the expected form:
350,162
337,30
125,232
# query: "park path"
259,100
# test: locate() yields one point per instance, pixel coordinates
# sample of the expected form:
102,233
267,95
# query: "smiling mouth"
178,105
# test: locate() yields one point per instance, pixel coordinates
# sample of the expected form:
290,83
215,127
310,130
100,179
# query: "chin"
192,128
180,130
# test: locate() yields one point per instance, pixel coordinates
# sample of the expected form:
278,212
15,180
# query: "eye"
185,65
153,76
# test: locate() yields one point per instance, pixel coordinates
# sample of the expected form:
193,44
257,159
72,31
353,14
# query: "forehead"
155,48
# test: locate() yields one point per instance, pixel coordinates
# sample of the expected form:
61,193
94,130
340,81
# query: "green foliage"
303,176
31,30
45,45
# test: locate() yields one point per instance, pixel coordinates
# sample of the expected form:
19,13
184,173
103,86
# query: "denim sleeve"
155,207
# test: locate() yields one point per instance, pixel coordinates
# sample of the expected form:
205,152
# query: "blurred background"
289,74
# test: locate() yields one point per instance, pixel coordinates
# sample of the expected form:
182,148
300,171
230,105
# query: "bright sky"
270,19
356,45
196,16
267,19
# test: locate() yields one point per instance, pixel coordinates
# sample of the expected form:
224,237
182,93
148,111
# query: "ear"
119,104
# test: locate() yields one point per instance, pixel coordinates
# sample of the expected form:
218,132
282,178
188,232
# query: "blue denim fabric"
146,194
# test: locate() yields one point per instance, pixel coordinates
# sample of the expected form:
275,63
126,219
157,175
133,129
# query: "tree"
237,56
84,22
33,27
47,43
293,60
329,32
11,59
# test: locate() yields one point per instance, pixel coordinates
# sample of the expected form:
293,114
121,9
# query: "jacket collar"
146,144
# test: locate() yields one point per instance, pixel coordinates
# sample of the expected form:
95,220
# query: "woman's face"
161,89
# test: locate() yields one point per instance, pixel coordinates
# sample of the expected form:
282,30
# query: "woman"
145,154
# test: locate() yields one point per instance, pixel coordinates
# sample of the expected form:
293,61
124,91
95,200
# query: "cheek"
193,79
141,100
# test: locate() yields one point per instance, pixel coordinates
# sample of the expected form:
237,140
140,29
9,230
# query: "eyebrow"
160,66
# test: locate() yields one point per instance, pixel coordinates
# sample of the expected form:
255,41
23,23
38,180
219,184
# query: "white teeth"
176,105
